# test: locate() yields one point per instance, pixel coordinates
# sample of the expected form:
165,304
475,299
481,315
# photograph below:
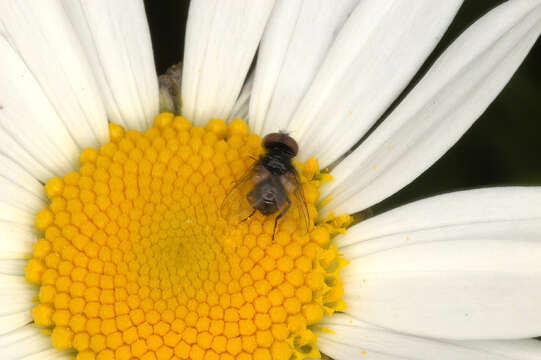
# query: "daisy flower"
113,246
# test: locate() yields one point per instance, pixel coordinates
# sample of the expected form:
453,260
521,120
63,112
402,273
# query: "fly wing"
296,217
236,207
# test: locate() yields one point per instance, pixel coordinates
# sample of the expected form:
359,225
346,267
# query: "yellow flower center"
136,262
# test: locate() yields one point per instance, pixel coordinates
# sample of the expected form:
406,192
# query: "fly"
270,186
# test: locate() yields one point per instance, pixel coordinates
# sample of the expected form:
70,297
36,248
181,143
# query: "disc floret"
134,259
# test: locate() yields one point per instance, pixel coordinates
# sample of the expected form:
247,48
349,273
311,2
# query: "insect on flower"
271,186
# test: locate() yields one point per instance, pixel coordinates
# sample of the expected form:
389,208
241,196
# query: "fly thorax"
278,163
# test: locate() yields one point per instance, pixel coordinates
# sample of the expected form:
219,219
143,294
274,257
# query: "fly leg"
282,213
249,216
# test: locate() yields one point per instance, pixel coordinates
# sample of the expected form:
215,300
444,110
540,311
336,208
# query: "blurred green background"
502,148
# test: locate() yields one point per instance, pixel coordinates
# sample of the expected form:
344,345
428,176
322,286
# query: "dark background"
501,148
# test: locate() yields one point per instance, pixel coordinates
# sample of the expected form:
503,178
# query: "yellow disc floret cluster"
135,261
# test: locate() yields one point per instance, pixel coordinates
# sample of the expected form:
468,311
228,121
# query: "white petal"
492,213
44,38
50,354
22,342
445,301
16,295
525,349
456,90
293,47
221,40
374,57
116,39
16,174
31,133
458,266
13,213
14,321
350,338
21,195
17,204
13,266
240,109
11,147
16,240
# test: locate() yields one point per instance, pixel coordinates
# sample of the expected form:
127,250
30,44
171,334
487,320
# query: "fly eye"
281,138
272,138
292,144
